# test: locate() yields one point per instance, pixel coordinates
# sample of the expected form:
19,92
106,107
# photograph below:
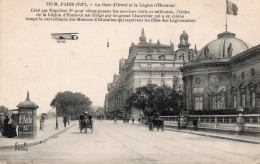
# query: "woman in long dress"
11,128
5,128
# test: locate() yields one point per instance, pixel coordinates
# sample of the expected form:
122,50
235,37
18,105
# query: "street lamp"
179,115
57,125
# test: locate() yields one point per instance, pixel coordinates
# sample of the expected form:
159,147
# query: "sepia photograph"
138,82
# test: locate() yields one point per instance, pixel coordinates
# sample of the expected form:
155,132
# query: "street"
127,143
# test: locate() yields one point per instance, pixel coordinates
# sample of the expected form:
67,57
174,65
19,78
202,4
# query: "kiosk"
27,112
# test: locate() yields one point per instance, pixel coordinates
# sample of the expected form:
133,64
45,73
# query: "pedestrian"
133,120
2,118
65,121
5,126
11,132
42,122
81,122
195,124
139,119
115,121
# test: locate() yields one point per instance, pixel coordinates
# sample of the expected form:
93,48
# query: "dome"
27,103
184,35
227,45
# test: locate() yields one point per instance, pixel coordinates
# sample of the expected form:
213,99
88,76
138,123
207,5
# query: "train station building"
147,63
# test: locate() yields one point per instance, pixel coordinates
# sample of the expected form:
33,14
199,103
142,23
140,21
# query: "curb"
216,136
38,141
211,135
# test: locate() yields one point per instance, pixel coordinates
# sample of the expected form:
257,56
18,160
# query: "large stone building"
225,74
147,63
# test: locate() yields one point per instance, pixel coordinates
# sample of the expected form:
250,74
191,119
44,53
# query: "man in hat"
65,121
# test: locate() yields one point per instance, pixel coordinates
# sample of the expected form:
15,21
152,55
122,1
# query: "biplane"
62,37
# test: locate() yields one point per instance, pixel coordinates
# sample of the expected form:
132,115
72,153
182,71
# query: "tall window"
150,74
243,100
162,74
199,103
235,101
219,102
252,99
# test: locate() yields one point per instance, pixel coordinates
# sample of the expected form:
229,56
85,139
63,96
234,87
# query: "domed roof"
184,35
27,103
227,45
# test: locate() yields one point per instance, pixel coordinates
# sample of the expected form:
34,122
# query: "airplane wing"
62,33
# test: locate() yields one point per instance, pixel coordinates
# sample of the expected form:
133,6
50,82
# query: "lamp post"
179,123
179,115
69,109
57,125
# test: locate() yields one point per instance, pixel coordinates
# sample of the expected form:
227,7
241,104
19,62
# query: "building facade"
147,63
225,74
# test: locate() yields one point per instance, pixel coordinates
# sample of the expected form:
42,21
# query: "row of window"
150,74
219,101
149,57
162,82
252,73
243,102
149,65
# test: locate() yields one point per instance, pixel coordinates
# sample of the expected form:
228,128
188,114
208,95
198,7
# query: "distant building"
225,74
147,63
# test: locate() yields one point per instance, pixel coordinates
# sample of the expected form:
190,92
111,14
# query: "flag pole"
226,13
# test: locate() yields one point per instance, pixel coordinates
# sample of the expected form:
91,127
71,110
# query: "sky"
30,60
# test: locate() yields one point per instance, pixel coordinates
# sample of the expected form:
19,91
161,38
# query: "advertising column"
27,125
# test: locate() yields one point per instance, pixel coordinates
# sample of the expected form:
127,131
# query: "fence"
251,122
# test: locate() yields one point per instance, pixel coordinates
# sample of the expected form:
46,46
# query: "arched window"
219,102
162,57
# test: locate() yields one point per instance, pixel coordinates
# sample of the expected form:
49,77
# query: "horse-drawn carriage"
85,123
156,123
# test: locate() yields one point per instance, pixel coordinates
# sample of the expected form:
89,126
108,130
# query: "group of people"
126,120
7,126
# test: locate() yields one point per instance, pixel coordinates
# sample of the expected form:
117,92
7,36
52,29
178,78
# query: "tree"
143,98
51,113
153,99
168,99
3,109
69,103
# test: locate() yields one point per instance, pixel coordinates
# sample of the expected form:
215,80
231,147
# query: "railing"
154,68
219,122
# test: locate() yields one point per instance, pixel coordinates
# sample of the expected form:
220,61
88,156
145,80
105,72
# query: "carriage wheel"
162,128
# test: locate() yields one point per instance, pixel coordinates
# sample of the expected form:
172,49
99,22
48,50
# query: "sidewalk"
240,138
42,136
